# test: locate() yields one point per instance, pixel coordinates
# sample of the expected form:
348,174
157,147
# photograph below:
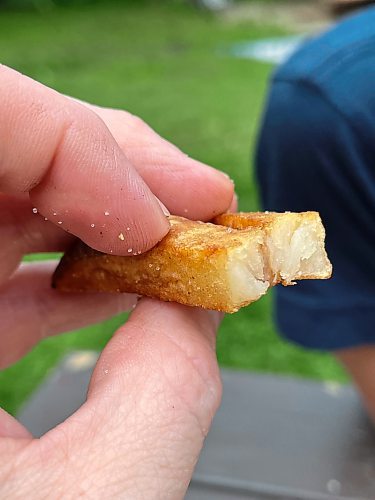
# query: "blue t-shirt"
316,151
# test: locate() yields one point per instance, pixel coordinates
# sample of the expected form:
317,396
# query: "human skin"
360,363
156,385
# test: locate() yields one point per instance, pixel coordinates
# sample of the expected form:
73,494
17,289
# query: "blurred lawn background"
166,62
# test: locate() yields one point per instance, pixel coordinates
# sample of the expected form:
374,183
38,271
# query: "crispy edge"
96,271
80,254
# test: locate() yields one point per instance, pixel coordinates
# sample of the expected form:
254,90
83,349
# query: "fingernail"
229,178
234,205
163,207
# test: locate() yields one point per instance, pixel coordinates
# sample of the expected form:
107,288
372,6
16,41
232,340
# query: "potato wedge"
222,266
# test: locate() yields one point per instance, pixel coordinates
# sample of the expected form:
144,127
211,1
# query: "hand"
89,171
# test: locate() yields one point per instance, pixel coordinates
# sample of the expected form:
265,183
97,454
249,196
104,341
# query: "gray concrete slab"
276,437
273,437
60,394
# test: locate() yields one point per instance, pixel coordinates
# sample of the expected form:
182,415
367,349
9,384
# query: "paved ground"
274,438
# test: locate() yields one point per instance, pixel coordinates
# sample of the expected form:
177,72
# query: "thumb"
77,176
151,402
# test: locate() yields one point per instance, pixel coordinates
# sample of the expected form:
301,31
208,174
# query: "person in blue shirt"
316,151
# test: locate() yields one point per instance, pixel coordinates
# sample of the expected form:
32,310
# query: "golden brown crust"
186,267
191,265
261,220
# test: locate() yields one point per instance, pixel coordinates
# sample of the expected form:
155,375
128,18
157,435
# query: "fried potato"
222,266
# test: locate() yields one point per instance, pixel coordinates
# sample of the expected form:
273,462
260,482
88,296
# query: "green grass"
168,65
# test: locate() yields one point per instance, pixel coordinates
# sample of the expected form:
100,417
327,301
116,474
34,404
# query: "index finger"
77,176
